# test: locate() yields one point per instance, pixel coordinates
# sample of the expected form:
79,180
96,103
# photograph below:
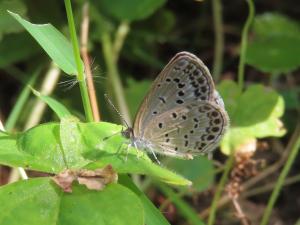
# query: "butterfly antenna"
113,106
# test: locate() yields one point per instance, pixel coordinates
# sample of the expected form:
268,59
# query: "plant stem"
295,145
220,188
114,77
80,75
86,60
244,41
219,39
121,35
184,208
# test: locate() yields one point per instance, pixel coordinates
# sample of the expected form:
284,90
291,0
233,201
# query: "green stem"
220,188
121,35
244,41
184,208
80,76
219,39
114,77
294,146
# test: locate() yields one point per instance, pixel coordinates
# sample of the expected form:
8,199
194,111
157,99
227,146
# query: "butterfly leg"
127,151
155,157
128,144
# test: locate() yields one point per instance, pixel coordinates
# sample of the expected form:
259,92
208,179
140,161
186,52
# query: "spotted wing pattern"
187,130
182,114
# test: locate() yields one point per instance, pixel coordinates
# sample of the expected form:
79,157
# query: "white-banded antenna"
113,106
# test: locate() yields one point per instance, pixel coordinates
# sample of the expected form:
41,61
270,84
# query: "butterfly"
182,115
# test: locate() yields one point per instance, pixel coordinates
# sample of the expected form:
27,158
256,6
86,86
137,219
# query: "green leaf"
200,171
40,201
130,10
60,110
230,93
275,24
152,215
255,105
276,42
54,147
253,114
53,42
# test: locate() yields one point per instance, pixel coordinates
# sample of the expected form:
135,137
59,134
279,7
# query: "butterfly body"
182,115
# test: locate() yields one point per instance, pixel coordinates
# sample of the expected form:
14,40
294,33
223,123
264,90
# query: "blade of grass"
295,146
185,210
21,101
80,76
48,85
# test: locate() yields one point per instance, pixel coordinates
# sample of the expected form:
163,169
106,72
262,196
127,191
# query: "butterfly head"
128,133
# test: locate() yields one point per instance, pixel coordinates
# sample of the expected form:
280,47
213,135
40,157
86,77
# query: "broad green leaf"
253,114
130,10
200,171
53,42
60,110
135,93
152,215
274,23
275,55
255,105
230,93
40,201
8,24
275,44
54,147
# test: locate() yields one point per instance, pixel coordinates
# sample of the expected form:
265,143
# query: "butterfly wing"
184,79
192,129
